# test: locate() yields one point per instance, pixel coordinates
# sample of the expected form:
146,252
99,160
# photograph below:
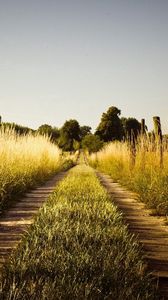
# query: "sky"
73,59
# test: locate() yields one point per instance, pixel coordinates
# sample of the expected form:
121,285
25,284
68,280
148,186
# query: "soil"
16,220
151,231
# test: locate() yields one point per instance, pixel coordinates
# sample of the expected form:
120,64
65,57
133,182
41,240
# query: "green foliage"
92,143
52,132
69,133
84,130
17,128
131,127
76,145
72,129
110,127
66,164
77,248
45,129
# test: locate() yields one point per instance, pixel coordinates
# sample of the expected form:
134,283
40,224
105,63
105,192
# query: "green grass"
78,248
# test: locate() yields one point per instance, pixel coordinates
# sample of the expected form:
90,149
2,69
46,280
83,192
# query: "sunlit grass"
24,161
78,248
146,177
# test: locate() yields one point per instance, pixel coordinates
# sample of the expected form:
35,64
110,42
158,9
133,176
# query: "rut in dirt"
17,219
149,230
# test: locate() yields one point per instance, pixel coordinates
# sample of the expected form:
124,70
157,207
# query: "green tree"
76,145
45,129
19,129
55,133
110,127
131,127
52,132
92,143
84,130
69,133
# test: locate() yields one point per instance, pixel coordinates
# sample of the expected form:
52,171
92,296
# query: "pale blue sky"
75,58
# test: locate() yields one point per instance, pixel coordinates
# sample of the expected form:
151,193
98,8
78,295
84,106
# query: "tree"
52,132
55,133
131,127
84,130
45,129
69,133
110,127
92,143
19,129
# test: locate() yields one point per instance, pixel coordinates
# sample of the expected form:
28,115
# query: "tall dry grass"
146,176
24,161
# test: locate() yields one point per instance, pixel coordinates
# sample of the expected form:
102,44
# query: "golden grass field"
24,161
146,176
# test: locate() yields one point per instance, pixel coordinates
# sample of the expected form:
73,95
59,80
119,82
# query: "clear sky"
62,59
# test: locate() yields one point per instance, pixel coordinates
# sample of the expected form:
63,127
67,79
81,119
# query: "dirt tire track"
16,220
150,230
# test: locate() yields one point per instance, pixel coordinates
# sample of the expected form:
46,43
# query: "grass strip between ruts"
77,248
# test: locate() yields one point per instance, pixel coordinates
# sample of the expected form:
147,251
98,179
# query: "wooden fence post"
142,143
143,130
132,150
158,135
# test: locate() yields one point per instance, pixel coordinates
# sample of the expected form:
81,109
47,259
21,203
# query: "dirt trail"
15,221
150,230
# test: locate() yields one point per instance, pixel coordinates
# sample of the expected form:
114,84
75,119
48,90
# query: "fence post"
143,127
158,135
142,144
132,150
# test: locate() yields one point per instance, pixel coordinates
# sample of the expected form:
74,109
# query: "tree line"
71,136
